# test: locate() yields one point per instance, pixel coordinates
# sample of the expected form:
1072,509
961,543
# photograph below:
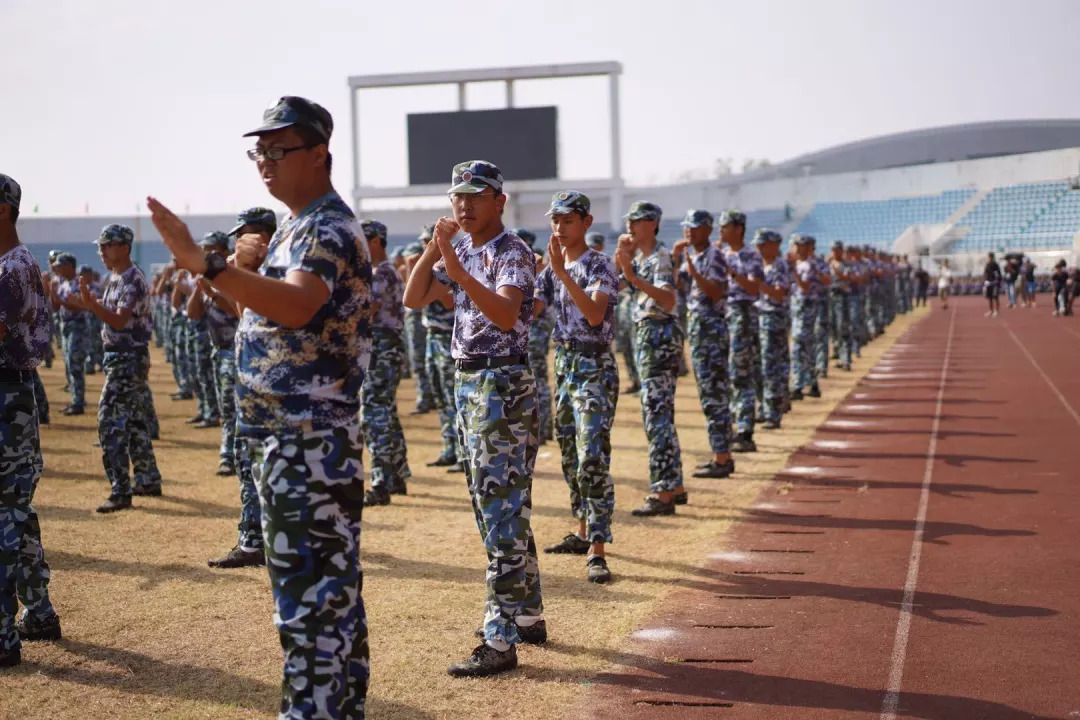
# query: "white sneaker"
995,313
988,313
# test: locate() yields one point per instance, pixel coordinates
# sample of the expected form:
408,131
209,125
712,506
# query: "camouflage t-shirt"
746,261
710,264
503,261
128,290
657,270
68,290
807,270
309,378
822,267
23,311
220,323
838,271
438,317
387,289
593,272
776,275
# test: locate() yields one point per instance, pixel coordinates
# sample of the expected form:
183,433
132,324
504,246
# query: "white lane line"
899,653
1069,408
1070,330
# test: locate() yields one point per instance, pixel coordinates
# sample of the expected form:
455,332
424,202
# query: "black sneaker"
443,461
194,420
715,470
796,394
376,496
114,503
771,424
485,660
204,424
597,570
10,658
181,396
421,410
632,390
653,506
44,420
682,498
814,391
458,467
72,410
743,443
535,634
238,558
147,491
91,371
225,468
31,629
569,545
400,488
846,366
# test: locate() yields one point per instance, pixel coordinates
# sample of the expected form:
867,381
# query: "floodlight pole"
616,196
355,125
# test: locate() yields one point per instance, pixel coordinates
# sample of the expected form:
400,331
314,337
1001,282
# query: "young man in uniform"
580,286
595,241
540,346
804,309
492,274
201,356
705,277
822,319
992,278
24,334
772,304
75,328
647,269
841,277
379,419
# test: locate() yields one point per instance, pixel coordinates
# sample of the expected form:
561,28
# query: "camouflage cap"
527,235
642,210
838,245
255,216
427,233
732,217
10,192
397,252
801,239
569,201
212,239
64,257
52,255
85,269
475,176
373,228
115,233
595,239
413,248
697,218
293,111
765,235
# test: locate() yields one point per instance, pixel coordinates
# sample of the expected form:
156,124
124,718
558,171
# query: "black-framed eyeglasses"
274,153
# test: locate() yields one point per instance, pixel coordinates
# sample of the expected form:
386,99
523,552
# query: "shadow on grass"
151,574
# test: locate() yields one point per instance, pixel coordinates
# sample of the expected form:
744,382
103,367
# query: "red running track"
920,558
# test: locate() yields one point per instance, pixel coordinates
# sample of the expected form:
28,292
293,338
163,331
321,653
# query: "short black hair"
14,214
312,138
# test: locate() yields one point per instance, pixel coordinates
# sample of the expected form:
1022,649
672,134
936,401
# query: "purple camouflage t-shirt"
128,290
23,311
776,275
593,272
387,289
711,264
746,261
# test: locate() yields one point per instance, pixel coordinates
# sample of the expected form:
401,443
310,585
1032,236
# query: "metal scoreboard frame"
613,185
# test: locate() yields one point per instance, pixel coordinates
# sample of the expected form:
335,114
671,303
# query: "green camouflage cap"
527,235
427,233
595,239
568,201
397,252
255,216
373,228
83,269
292,111
697,218
732,217
53,254
65,257
115,233
212,239
801,239
10,192
765,235
642,210
475,176
413,248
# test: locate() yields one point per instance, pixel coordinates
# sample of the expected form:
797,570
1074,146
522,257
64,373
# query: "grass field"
151,631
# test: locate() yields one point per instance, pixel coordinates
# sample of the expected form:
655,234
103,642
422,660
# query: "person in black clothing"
1060,281
922,284
1072,287
1012,272
1027,272
992,285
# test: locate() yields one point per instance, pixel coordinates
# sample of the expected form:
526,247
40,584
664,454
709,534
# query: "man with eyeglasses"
492,275
302,350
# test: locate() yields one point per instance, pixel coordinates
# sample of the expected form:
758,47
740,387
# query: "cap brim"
559,211
687,223
269,127
236,230
645,216
467,189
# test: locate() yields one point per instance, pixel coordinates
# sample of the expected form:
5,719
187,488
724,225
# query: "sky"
104,102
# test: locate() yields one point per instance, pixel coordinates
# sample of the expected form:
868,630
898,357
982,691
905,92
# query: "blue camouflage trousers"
180,366
822,332
201,359
626,338
441,370
310,485
775,363
249,531
709,356
95,353
842,307
379,419
804,313
41,398
225,386
124,422
860,333
24,574
76,358
586,392
742,322
659,343
539,345
416,340
497,433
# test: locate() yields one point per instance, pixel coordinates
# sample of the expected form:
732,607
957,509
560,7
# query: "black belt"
591,349
491,362
11,375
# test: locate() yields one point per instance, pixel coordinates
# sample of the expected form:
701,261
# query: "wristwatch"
215,264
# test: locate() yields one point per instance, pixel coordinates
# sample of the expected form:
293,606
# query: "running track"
919,559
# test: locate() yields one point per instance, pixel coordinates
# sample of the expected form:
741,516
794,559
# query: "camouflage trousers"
775,363
249,531
180,367
441,370
842,307
159,325
416,342
709,355
822,327
658,345
201,360
742,322
124,422
626,338
310,485
379,419
24,574
860,334
76,358
41,398
497,433
225,386
95,352
873,311
804,314
539,346
681,313
586,392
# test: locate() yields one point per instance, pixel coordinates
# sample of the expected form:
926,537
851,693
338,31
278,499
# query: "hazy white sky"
104,101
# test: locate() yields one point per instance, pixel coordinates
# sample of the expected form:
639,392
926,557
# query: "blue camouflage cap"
214,238
427,233
397,252
85,269
765,235
115,233
527,235
293,111
64,257
642,210
373,228
52,255
595,239
801,239
255,216
838,245
10,192
732,217
413,248
475,176
697,218
570,201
